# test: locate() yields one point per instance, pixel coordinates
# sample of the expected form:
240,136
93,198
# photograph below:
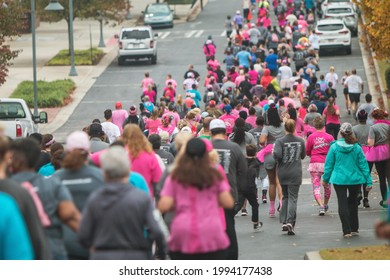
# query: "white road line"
165,35
223,34
197,35
189,34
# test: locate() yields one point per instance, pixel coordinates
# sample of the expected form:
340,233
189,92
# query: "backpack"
140,122
275,38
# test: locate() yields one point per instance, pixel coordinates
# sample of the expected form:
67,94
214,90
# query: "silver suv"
137,42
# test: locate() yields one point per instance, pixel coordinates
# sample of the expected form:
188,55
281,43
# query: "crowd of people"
175,170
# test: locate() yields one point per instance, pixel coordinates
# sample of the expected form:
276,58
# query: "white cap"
238,12
217,123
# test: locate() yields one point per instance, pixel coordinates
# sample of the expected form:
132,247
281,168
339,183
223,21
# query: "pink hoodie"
317,146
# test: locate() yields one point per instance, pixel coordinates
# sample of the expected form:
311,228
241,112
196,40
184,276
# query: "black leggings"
381,169
216,255
333,129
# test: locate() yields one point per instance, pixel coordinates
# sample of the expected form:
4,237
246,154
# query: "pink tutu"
378,153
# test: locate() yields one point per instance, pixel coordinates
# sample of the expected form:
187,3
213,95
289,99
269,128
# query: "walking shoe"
290,229
359,198
244,212
326,208
284,227
349,111
365,203
354,233
272,212
347,235
257,226
322,211
264,198
383,204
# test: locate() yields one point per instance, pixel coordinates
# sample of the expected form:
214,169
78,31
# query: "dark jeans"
250,195
288,213
216,255
231,232
381,169
348,208
333,129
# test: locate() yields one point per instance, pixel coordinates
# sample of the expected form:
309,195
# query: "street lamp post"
34,59
55,6
101,41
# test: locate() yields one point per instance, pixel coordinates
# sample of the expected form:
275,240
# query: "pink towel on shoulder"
45,221
264,152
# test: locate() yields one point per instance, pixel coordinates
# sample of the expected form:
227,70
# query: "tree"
10,23
377,14
112,10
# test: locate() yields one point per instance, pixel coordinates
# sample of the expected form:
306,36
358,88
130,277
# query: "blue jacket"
346,164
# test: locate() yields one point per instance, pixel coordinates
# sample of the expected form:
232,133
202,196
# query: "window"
11,110
340,11
160,10
135,34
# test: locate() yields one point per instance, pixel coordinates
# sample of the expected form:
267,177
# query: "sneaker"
365,203
264,198
257,227
322,211
359,198
383,204
290,229
347,235
349,111
271,212
244,212
326,208
284,227
354,233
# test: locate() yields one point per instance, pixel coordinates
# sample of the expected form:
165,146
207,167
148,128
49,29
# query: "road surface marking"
197,35
165,35
189,34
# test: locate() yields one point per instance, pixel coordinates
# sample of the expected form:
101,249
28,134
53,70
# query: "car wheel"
121,61
349,49
154,59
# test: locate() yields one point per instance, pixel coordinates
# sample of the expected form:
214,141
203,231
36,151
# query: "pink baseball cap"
77,140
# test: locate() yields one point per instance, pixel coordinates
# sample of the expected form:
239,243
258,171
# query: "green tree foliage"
10,23
377,17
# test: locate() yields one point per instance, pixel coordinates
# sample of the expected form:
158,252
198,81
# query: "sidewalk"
53,37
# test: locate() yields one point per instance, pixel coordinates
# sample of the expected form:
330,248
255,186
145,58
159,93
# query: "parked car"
135,43
17,119
333,34
345,12
158,15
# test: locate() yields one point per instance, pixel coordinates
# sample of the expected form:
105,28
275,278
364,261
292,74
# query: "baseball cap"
346,128
212,103
77,140
217,123
133,111
186,129
118,105
227,108
204,115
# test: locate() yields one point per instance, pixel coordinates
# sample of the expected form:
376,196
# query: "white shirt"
285,72
111,130
332,77
353,82
314,41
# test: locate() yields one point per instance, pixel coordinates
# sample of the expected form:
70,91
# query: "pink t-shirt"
176,117
253,75
151,95
152,125
239,79
229,121
147,165
251,120
174,84
170,128
196,226
335,119
317,146
145,83
213,64
118,117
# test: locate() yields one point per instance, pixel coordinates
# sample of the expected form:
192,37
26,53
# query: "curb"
312,256
373,74
195,10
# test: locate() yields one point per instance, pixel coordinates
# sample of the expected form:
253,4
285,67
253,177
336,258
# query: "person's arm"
329,165
309,146
303,152
226,200
371,138
263,138
69,214
363,166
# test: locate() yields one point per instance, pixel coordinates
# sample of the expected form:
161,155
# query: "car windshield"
136,34
340,11
11,110
160,10
330,27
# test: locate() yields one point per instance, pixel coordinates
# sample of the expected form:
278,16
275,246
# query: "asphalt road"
181,46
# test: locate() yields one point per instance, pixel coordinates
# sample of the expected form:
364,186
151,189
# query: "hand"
368,188
325,184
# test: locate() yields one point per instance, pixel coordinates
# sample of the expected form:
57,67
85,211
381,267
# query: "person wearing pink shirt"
170,80
213,63
228,119
209,49
143,159
251,119
150,93
119,115
317,147
152,123
232,74
173,113
146,82
253,75
166,125
332,115
169,93
197,230
240,78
